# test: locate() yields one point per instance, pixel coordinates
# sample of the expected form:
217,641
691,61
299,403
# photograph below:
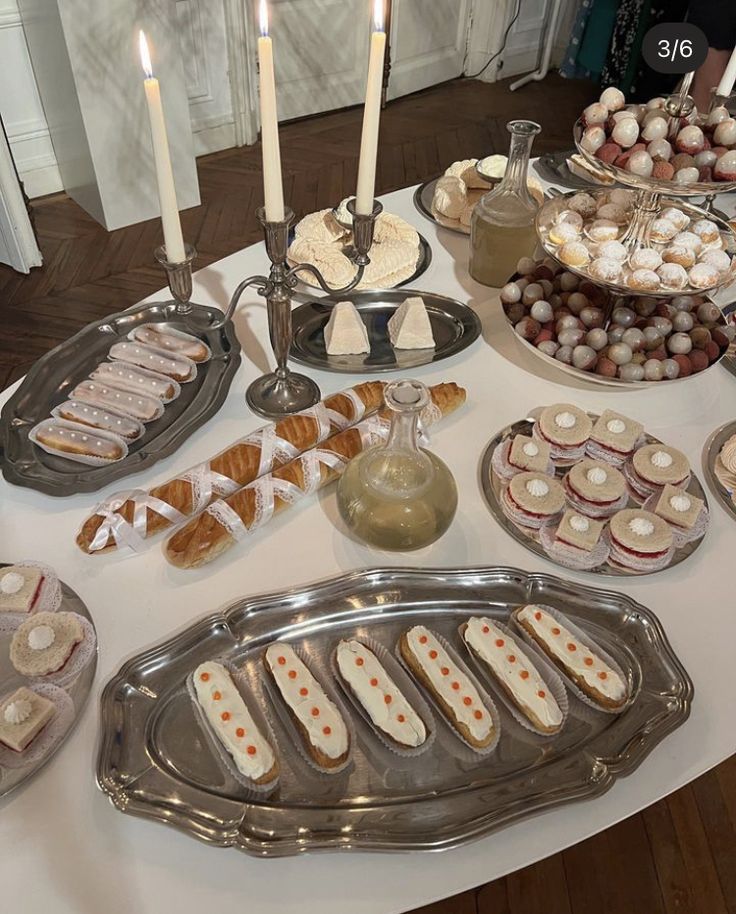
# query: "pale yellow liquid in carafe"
496,249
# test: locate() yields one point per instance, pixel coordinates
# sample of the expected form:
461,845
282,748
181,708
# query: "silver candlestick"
180,278
283,392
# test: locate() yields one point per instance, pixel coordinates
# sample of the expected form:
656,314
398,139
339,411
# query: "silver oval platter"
423,196
53,376
710,455
454,326
492,488
156,761
424,259
74,695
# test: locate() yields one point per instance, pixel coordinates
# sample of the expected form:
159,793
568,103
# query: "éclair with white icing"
584,666
232,723
320,723
379,695
514,671
456,695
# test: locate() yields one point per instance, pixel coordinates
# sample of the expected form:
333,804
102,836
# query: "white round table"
68,851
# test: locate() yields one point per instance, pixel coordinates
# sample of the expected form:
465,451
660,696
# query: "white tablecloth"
67,851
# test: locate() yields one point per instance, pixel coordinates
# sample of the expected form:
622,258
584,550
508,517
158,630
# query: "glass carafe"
502,225
397,495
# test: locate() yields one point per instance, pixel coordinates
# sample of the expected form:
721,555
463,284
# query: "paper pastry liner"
600,452
405,684
473,751
286,718
525,521
88,459
182,336
93,429
618,558
570,556
640,489
682,535
501,466
164,353
561,456
154,375
259,718
80,656
54,731
49,599
597,512
545,669
585,640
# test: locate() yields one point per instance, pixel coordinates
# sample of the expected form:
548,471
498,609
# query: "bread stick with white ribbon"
228,520
129,518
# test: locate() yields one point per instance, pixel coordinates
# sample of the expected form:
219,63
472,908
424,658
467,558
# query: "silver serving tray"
454,325
553,168
423,196
491,487
423,261
711,450
79,690
53,376
155,762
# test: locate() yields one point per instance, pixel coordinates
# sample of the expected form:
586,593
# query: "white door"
320,54
428,41
18,246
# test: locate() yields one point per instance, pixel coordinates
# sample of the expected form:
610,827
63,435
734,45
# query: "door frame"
17,239
240,29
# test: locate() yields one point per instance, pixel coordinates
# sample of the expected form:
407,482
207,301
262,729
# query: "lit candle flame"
263,18
145,55
378,15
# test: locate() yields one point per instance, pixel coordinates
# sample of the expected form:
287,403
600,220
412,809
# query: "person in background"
717,18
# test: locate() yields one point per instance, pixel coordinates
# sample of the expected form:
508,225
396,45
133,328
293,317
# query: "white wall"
522,48
204,53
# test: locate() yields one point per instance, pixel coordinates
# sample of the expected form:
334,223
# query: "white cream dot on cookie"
661,459
530,449
580,524
596,476
680,503
616,426
537,488
641,526
565,420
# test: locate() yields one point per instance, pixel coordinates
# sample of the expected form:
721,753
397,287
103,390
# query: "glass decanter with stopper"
502,225
397,495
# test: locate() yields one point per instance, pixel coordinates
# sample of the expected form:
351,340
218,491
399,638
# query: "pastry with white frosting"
654,466
533,499
454,694
581,663
678,507
566,428
94,417
595,488
139,406
44,643
20,588
409,326
176,341
178,367
232,723
512,669
320,724
640,541
136,380
526,454
23,715
345,332
380,697
614,437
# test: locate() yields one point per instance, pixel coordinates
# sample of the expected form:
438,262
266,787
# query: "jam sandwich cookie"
654,466
515,674
577,542
170,340
20,588
95,417
614,438
533,499
596,489
685,513
452,690
640,541
23,715
576,658
44,643
136,381
320,724
178,367
376,692
522,454
566,428
231,722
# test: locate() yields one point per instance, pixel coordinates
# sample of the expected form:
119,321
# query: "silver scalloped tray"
454,327
155,762
711,450
78,691
52,377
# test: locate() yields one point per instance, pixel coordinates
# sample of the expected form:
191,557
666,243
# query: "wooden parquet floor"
679,855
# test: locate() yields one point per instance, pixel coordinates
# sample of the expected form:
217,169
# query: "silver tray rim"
531,545
602,772
711,450
468,317
90,479
70,602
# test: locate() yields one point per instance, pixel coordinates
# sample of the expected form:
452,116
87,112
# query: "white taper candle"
371,116
273,189
725,86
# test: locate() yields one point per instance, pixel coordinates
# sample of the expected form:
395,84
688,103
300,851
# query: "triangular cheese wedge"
345,333
409,327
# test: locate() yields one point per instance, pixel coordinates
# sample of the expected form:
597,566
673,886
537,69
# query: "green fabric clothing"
597,37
